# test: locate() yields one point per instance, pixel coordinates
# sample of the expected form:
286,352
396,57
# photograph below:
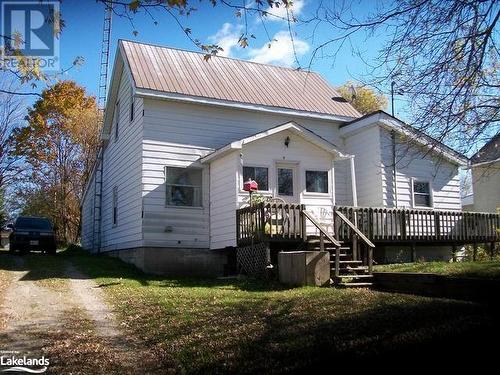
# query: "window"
132,100
183,186
117,119
316,181
421,194
285,181
258,174
115,205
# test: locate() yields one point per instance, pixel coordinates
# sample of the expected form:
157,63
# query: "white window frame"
313,193
201,187
242,178
431,193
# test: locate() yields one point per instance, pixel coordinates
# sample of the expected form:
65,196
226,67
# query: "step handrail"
355,229
321,228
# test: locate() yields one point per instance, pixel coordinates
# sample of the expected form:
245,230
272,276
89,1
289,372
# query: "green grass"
244,326
483,269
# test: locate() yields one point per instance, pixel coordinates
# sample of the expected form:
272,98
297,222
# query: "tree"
59,144
11,116
443,54
363,98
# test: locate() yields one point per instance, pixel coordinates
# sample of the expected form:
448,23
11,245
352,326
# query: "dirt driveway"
63,319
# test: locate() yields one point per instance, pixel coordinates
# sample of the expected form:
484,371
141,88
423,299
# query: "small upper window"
117,119
422,194
316,181
258,174
132,100
183,186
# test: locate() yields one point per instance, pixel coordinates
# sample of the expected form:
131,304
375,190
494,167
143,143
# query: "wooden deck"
286,222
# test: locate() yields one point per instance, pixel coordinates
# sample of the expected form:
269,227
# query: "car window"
33,223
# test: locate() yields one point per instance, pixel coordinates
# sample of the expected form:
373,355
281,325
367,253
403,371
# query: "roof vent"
339,99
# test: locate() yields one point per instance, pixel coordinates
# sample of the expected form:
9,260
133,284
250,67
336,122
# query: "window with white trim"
422,196
317,182
259,175
183,186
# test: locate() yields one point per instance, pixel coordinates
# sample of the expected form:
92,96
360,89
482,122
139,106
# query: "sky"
82,36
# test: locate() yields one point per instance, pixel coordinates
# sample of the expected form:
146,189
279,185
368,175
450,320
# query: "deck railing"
419,225
276,221
269,221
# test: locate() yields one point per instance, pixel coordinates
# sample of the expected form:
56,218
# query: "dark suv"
32,233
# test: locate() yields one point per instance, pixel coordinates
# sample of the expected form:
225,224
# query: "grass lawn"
238,326
483,269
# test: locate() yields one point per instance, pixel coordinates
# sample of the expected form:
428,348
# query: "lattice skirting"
253,260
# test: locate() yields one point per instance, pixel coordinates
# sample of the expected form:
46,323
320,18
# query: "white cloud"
279,14
227,38
281,50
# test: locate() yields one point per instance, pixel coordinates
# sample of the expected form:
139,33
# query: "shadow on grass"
41,266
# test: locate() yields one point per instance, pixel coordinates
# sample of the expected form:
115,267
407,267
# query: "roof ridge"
222,57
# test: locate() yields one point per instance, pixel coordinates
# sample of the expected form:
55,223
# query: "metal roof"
170,70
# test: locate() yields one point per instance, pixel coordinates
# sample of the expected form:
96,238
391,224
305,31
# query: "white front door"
287,182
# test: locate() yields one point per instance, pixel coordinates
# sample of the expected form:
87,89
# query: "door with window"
286,182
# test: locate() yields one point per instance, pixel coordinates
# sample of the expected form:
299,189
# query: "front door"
287,182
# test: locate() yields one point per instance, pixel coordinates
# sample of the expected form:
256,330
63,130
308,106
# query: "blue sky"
83,32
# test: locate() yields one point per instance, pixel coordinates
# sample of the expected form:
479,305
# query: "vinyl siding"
122,168
223,202
366,147
178,134
414,162
88,216
486,187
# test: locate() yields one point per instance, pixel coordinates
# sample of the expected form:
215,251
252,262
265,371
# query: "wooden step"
348,261
355,276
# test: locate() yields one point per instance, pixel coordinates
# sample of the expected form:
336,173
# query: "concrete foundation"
175,261
300,268
403,253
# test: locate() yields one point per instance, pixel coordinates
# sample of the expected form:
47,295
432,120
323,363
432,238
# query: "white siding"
366,147
122,168
486,187
88,216
271,150
223,201
178,134
414,162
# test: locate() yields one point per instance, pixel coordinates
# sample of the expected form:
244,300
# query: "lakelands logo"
24,364
30,34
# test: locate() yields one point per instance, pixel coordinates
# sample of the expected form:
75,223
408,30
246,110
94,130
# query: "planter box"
301,268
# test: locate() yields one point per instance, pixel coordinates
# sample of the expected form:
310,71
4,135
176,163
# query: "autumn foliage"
59,145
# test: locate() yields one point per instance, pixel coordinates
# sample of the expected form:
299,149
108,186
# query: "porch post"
355,215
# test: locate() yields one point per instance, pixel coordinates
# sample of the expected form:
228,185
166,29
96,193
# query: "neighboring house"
181,135
485,169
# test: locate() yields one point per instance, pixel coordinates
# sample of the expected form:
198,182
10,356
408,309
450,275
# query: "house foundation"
176,261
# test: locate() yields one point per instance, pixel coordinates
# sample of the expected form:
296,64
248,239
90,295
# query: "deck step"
355,276
348,261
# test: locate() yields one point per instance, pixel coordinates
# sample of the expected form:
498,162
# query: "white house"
181,134
485,167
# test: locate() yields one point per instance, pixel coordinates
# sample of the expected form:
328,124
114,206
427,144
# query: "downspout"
353,183
394,172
